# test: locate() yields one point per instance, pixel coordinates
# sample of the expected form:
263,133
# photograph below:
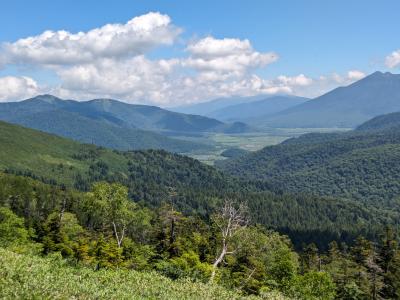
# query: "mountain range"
244,109
343,107
346,107
256,110
113,124
207,107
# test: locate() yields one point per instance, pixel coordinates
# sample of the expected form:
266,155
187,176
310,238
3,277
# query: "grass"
48,155
31,277
248,141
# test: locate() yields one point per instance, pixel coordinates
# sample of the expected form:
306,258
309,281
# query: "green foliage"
354,165
12,229
186,265
153,177
30,277
314,286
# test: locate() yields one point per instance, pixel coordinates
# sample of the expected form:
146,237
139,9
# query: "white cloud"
112,61
225,57
136,37
355,75
325,83
299,80
16,88
221,69
393,60
133,79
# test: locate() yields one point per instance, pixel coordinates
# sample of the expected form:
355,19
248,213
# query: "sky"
171,53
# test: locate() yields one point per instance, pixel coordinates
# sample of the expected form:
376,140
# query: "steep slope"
153,176
353,165
253,110
376,94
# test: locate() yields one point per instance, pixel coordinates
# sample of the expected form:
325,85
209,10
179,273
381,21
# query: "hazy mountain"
111,123
376,94
65,118
116,113
205,108
256,109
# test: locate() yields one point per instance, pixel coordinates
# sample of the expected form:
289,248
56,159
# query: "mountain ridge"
345,107
111,123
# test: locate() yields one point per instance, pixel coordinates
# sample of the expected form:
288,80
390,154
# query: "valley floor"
252,141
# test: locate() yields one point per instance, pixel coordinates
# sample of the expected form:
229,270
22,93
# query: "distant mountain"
205,108
357,165
111,123
384,122
376,94
259,109
60,117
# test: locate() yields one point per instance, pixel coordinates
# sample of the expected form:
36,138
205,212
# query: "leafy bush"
30,277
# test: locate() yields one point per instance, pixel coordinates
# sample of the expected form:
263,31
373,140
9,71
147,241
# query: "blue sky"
312,38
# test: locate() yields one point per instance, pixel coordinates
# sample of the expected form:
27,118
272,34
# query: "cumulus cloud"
16,88
225,57
112,61
355,75
222,67
322,84
136,37
393,60
137,78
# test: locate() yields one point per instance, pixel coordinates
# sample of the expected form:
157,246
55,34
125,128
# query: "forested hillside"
383,122
358,165
154,177
113,124
87,123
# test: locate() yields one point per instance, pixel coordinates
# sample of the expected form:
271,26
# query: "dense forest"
81,209
359,165
102,230
153,177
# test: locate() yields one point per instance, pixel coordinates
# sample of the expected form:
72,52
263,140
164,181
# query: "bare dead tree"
230,220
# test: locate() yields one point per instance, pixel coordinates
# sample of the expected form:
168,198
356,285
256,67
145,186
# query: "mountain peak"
46,98
379,74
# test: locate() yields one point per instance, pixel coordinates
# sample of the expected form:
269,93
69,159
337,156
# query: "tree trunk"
218,261
119,239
